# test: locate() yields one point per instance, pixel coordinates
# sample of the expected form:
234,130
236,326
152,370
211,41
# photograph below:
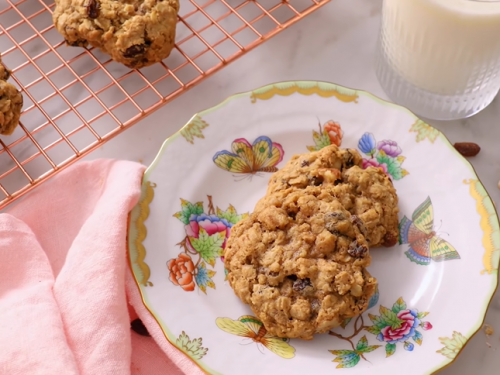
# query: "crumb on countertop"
488,330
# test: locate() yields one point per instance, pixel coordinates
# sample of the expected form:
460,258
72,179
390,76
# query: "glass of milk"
440,58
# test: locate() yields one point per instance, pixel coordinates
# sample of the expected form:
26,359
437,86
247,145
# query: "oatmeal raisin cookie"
366,193
11,103
136,33
299,260
314,169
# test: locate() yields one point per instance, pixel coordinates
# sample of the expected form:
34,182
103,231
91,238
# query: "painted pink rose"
210,223
426,326
406,330
374,163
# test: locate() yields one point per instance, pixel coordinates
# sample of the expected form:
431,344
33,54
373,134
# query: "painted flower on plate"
329,134
334,132
204,242
409,346
374,163
398,325
426,326
385,154
212,224
181,272
390,148
407,325
367,144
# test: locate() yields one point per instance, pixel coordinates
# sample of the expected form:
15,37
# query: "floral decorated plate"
434,287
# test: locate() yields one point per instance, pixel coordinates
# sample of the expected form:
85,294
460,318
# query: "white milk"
446,47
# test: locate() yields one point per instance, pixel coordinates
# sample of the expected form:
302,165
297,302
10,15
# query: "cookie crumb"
488,330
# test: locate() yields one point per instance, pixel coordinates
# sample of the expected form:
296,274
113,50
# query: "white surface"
335,44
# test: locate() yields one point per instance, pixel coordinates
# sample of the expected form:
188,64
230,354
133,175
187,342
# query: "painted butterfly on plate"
252,328
261,156
420,235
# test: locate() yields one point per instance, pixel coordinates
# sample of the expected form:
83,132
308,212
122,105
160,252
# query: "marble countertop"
335,44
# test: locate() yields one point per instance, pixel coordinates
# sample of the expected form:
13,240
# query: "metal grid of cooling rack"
76,99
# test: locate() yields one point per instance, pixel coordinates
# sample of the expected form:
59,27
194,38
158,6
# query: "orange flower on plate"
181,272
334,132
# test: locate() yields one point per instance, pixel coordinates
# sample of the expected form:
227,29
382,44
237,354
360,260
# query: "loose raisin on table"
467,148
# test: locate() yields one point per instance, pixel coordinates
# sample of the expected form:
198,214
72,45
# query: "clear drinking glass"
440,58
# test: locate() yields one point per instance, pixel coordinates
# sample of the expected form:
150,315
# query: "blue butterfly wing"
419,250
417,258
404,228
374,299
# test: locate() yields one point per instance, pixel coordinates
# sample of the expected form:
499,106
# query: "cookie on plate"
136,33
315,168
374,201
11,103
366,193
299,261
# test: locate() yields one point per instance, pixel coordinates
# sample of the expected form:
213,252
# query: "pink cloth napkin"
67,295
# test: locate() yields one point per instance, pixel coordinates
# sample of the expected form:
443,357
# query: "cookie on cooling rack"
4,72
136,33
11,103
299,261
366,193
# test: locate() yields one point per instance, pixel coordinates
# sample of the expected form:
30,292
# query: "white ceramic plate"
434,288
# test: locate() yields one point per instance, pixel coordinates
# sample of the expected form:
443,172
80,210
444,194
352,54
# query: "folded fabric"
67,295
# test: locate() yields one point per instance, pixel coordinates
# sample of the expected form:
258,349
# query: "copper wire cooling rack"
76,99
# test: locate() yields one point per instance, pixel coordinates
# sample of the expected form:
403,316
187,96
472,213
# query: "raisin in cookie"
366,193
136,33
299,260
11,103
